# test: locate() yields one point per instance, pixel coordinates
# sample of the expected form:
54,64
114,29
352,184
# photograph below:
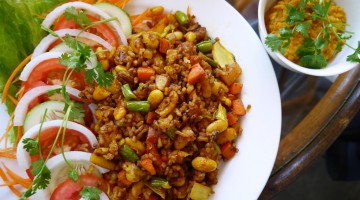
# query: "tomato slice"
70,190
73,142
101,30
51,72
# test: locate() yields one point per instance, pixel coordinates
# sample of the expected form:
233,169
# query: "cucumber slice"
122,15
63,48
54,111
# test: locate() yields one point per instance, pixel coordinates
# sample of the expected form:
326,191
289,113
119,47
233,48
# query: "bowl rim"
283,61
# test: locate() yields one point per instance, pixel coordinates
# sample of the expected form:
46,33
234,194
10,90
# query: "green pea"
204,46
182,18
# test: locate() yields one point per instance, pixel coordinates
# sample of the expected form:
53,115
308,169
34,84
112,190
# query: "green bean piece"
210,61
160,182
182,18
129,154
127,92
204,46
138,106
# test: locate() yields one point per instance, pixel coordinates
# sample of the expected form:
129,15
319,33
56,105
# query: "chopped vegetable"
228,150
127,92
147,164
138,106
196,75
230,74
238,107
204,46
200,192
145,73
159,182
235,88
159,191
232,119
102,162
221,113
164,45
122,178
171,133
129,154
221,55
182,18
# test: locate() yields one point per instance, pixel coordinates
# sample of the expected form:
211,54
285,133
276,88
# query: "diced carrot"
145,73
197,74
12,188
164,45
147,164
122,178
26,183
228,150
150,117
12,76
232,119
235,88
238,107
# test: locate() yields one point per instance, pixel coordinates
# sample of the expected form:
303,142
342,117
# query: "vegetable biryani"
102,117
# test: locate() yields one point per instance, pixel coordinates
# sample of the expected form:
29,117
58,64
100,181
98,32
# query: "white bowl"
338,64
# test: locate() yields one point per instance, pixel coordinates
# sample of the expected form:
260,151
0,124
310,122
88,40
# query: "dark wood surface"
313,131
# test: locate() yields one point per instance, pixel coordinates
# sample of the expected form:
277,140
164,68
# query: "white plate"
243,177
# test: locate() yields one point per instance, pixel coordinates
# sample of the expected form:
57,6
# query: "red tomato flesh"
51,72
101,30
73,142
70,190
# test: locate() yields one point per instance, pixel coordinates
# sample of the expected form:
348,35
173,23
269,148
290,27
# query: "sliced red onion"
93,10
23,157
58,169
34,62
44,44
22,106
93,108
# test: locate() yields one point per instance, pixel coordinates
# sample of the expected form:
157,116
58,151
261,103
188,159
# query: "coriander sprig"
310,51
74,61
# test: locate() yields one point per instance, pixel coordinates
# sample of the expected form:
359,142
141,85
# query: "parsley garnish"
310,51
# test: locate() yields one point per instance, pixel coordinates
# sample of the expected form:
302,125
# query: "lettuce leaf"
20,32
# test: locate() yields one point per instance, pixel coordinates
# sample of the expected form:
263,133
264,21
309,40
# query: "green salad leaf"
20,33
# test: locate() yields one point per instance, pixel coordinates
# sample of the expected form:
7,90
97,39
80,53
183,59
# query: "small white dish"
338,64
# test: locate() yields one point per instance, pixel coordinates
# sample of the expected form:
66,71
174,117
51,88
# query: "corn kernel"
190,36
119,113
120,68
100,93
155,98
226,101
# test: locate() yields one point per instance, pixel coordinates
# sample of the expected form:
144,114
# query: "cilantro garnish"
78,16
76,60
309,51
90,193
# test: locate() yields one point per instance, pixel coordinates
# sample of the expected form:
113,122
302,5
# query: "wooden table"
310,124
